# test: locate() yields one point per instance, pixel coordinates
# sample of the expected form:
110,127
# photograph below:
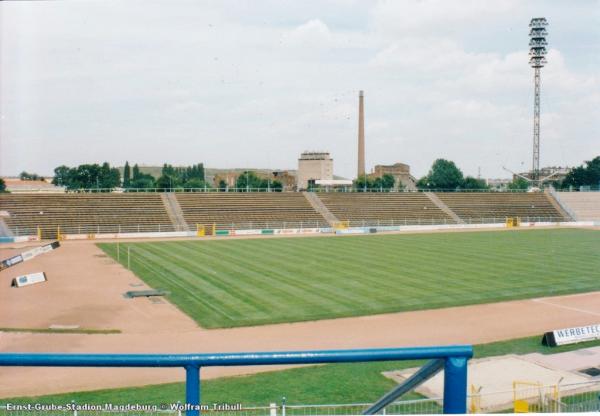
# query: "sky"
255,83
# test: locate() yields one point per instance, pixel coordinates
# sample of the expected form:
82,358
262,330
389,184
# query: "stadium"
185,290
312,284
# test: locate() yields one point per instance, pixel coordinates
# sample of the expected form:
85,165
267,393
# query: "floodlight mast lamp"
537,60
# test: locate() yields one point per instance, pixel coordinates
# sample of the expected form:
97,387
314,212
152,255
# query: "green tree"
126,175
193,172
248,181
62,175
383,184
273,186
26,176
222,185
474,183
108,178
443,175
167,181
363,183
196,183
518,184
423,183
141,180
87,176
2,186
584,175
136,172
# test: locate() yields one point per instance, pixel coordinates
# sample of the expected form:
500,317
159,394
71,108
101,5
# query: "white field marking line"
574,295
565,307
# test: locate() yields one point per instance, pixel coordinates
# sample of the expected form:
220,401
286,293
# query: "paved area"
493,378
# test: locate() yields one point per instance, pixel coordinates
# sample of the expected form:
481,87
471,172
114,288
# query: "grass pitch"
227,283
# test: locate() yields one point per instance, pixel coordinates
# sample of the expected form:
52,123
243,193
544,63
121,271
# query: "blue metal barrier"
455,365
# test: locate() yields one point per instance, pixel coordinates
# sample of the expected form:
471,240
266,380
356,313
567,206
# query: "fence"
284,189
95,229
582,188
445,221
452,359
252,225
161,228
534,397
558,398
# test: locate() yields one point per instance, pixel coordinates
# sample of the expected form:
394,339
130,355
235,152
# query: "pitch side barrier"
451,359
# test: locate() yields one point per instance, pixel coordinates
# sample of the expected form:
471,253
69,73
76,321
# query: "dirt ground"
86,288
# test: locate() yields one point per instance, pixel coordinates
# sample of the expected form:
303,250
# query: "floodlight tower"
537,60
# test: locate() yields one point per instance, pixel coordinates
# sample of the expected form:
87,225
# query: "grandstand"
147,212
84,213
585,206
249,210
489,207
384,208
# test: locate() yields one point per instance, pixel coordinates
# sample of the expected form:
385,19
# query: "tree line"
249,181
87,176
104,177
170,178
26,176
444,174
385,183
587,174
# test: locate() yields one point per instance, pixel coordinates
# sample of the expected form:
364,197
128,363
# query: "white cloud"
428,17
184,82
313,33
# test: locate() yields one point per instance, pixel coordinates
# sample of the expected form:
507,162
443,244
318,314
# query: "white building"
313,166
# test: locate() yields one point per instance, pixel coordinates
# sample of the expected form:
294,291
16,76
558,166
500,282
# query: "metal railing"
253,225
558,398
453,360
283,189
447,221
96,229
582,188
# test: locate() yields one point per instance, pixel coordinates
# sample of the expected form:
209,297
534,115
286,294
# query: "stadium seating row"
384,208
249,210
83,213
109,213
496,207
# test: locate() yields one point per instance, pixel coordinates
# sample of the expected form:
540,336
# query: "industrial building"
313,166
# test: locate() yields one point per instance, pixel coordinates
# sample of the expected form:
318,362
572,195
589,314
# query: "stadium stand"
584,205
249,210
84,213
147,212
384,208
497,206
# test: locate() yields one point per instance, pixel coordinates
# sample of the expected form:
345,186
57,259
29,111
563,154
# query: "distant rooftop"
314,155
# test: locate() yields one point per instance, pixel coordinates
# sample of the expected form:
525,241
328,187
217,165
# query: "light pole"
537,60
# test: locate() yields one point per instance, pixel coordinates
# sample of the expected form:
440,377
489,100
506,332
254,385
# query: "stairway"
320,207
440,204
174,211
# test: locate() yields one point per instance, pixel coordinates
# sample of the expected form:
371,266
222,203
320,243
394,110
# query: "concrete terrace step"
441,205
318,205
174,211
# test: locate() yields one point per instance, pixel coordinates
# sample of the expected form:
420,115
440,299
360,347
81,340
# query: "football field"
240,282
